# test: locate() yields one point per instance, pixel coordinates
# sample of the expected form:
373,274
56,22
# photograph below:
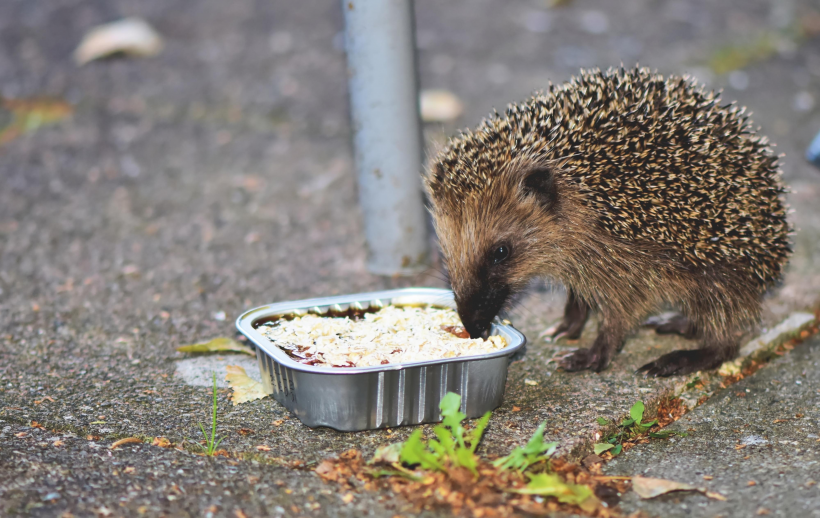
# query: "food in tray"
393,334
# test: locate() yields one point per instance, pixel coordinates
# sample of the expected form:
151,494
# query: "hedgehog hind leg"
672,323
576,314
689,361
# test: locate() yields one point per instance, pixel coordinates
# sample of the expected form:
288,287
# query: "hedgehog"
637,193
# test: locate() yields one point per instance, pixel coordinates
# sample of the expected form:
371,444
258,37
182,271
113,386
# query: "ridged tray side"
386,398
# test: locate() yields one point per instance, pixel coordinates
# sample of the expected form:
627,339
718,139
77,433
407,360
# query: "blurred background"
216,174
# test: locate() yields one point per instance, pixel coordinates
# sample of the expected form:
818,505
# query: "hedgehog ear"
540,183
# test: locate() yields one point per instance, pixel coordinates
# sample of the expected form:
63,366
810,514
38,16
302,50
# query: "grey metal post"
380,44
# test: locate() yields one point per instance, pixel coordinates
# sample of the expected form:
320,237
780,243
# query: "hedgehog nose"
476,329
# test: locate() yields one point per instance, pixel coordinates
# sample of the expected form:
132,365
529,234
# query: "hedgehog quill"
636,192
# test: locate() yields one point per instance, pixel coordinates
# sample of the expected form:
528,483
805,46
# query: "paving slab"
757,443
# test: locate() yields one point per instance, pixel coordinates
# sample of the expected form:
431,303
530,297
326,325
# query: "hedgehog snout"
478,309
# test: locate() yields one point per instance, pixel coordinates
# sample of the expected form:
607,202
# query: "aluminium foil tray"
364,398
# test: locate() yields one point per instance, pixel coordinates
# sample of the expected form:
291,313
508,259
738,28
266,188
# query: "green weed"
630,428
211,443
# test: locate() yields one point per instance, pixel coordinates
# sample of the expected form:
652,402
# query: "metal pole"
380,43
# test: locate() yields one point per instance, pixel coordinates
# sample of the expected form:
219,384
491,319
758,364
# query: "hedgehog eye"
500,254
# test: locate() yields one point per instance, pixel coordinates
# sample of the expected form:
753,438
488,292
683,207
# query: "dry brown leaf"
162,442
127,440
439,105
263,447
217,344
244,387
652,487
132,36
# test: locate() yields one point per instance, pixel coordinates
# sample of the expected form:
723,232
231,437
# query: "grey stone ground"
218,176
748,438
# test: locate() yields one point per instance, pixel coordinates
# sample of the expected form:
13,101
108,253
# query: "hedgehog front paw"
584,359
681,362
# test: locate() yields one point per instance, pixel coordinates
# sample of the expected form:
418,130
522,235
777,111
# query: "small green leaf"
414,452
636,412
446,441
523,457
450,404
550,484
602,447
617,450
627,422
602,421
466,459
478,431
217,345
650,424
452,418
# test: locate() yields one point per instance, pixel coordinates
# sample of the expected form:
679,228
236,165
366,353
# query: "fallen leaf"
20,434
21,116
530,382
262,447
58,443
550,484
388,454
751,483
602,447
245,431
244,387
591,460
239,513
278,422
162,442
127,440
347,498
132,36
439,105
516,409
763,511
217,344
652,487
708,477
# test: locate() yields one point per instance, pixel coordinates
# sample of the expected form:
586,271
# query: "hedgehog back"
658,160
